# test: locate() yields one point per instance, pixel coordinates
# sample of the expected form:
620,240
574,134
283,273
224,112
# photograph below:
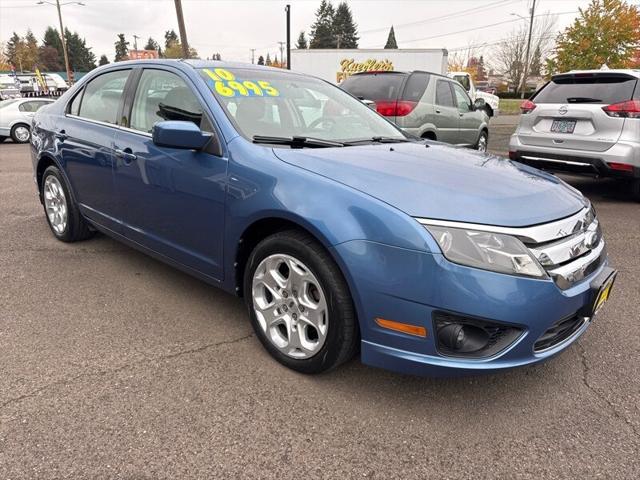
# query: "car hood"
441,182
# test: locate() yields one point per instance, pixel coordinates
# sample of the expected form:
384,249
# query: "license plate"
563,126
603,293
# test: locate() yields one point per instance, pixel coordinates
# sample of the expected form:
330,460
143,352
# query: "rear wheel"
299,303
62,213
483,141
20,133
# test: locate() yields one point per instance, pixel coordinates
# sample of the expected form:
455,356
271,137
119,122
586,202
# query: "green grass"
510,106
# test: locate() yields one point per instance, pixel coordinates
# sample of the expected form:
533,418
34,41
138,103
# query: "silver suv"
585,122
425,104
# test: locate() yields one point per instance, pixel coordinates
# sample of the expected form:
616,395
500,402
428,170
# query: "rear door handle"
126,155
61,135
438,111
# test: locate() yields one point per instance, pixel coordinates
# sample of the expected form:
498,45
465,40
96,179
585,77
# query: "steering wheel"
320,121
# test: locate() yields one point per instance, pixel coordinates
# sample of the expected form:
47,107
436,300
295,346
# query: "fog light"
463,338
460,336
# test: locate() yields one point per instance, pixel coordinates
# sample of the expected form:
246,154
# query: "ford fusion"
341,233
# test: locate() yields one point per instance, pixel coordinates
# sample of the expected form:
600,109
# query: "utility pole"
135,42
64,46
281,50
183,30
526,60
253,55
62,37
288,10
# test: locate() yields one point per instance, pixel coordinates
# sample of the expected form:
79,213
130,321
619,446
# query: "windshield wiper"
297,142
583,100
378,140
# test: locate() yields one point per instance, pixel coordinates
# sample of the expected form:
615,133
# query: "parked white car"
16,115
492,102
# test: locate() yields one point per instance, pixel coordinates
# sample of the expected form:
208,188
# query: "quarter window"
102,96
444,97
31,106
74,107
162,96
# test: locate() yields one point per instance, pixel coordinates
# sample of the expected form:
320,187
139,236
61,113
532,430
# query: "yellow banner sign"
348,66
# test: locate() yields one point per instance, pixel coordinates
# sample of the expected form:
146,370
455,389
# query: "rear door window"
375,86
605,89
444,96
102,97
415,86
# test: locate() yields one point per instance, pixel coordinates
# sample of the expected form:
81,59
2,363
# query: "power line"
482,27
443,17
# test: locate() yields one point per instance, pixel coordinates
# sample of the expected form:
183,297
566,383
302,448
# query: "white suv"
585,122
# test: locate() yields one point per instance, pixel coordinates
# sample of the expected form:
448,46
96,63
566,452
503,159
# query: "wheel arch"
261,228
45,161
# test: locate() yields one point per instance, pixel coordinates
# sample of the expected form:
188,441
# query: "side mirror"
180,134
479,104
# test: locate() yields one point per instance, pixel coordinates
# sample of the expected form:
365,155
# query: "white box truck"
335,65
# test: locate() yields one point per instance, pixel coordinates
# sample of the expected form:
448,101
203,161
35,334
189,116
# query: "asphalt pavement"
116,366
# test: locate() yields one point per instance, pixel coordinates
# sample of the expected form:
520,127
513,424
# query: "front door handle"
126,155
61,135
438,111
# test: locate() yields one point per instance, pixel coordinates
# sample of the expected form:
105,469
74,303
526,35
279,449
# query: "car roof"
197,64
628,71
403,72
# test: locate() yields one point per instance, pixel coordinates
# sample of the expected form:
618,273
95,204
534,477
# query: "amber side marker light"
402,327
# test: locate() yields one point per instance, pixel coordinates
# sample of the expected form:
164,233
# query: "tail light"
395,108
628,109
513,155
527,106
622,167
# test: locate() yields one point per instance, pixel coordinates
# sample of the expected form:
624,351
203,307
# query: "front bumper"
409,286
580,161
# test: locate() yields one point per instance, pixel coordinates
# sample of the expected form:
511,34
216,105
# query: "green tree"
535,64
122,48
81,57
260,60
103,60
13,50
30,53
302,42
170,38
391,39
153,45
50,55
344,28
267,62
322,35
606,33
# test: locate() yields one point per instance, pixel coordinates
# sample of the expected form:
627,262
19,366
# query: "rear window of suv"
606,89
374,86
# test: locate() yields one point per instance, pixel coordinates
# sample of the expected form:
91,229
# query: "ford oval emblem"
563,110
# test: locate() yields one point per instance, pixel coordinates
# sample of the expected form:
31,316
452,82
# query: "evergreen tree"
216,56
153,45
14,51
322,34
268,61
535,64
103,60
260,60
49,59
30,51
81,57
170,38
302,42
122,48
344,28
391,39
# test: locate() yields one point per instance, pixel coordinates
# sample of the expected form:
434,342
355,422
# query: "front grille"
559,332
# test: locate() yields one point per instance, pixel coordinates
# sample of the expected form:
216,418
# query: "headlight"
486,250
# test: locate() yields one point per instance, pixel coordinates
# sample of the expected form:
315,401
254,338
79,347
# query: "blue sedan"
341,232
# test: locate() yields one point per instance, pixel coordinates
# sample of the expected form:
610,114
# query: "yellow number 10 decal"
225,84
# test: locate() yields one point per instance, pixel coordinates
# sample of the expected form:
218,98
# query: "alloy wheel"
55,203
290,306
22,133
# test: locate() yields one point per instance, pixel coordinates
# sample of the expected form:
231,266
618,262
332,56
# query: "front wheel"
299,303
483,141
20,133
635,189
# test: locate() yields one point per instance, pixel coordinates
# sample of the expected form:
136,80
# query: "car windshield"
268,103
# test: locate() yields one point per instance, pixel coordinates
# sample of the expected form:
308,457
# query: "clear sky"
233,27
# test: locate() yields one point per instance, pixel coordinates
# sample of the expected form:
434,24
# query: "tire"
488,111
62,205
20,133
292,254
483,141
